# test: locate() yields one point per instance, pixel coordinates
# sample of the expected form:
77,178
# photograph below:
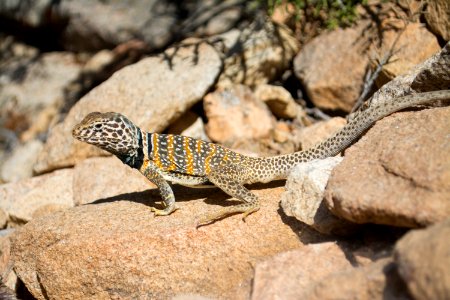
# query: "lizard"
164,158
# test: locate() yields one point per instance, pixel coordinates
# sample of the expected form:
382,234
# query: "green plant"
331,13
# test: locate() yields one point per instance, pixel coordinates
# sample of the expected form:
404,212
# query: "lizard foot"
164,212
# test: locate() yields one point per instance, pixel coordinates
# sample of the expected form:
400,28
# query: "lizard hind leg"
229,179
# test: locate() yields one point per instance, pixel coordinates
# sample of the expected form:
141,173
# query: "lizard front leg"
152,173
229,179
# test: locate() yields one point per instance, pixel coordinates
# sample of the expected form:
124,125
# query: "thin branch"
370,78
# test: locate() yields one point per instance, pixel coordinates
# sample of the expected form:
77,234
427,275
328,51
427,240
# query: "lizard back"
181,154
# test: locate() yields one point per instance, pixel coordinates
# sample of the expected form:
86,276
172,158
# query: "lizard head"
109,131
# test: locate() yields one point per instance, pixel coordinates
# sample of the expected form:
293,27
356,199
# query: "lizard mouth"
77,134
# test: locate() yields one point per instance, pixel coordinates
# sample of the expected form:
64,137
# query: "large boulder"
397,174
332,67
119,249
152,93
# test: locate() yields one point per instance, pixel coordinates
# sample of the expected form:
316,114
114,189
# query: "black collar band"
140,150
135,161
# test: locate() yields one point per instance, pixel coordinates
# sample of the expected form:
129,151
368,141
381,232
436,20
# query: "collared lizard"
187,161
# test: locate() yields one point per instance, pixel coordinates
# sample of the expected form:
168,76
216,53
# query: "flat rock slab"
152,93
398,173
120,250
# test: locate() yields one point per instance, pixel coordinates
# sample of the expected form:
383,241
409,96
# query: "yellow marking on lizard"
198,144
156,158
212,147
224,159
170,153
189,157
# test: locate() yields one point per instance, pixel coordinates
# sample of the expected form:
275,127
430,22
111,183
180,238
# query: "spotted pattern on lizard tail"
184,160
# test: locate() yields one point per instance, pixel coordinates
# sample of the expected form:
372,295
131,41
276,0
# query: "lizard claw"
209,218
249,212
203,221
164,212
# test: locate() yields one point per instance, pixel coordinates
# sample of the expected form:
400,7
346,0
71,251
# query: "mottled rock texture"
102,178
398,173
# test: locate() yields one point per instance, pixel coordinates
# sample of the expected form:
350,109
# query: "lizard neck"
135,159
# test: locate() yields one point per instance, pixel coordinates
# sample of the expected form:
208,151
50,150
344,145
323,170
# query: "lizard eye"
98,126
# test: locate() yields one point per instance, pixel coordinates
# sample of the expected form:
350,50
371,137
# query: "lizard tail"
280,165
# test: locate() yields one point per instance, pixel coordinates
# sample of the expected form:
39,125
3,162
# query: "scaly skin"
184,160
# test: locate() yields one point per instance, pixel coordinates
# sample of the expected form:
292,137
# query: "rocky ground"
76,223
